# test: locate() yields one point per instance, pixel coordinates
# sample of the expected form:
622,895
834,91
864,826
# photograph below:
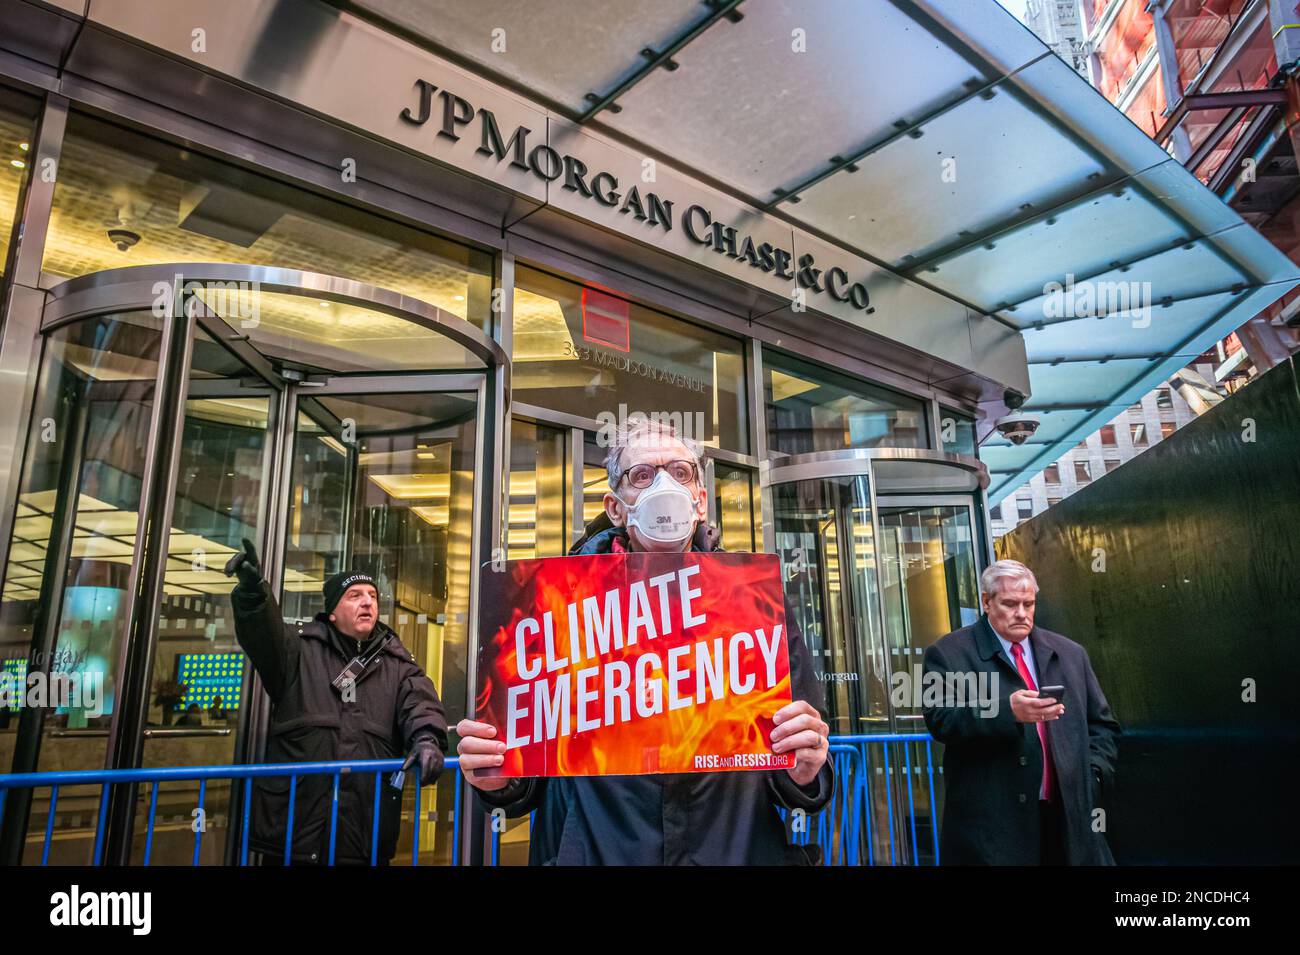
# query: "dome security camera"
1017,427
123,238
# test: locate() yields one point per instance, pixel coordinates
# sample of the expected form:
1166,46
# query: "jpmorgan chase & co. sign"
454,117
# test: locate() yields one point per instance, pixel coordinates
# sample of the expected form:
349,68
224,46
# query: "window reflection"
734,506
587,352
812,408
17,156
125,199
595,479
302,332
539,499
957,432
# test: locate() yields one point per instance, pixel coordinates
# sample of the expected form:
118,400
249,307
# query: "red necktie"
1018,652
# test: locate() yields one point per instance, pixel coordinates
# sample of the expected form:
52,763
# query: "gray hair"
640,429
1011,570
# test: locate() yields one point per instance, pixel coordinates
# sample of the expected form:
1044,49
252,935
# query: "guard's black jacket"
395,705
725,818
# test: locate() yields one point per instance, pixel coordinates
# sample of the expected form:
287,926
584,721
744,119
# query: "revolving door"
177,411
881,551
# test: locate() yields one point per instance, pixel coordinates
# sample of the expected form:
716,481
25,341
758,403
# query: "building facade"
367,288
1057,23
230,317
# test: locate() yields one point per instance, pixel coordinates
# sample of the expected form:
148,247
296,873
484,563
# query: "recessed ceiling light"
324,304
459,298
18,164
23,146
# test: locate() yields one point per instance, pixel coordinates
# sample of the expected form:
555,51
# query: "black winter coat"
993,767
395,705
672,819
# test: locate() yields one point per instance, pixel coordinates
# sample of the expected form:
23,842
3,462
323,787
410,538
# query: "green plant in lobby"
168,694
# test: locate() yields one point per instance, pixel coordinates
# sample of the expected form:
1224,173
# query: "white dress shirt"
1011,657
1029,662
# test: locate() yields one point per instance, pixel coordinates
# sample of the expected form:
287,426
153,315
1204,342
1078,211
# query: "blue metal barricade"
846,826
843,829
57,781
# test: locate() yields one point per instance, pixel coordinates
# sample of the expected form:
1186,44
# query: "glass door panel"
917,562
930,587
929,579
826,539
199,674
384,483
824,536
538,504
67,583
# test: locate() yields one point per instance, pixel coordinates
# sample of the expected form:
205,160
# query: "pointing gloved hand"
245,564
426,753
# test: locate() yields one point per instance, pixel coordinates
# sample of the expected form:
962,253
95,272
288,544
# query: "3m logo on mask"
664,512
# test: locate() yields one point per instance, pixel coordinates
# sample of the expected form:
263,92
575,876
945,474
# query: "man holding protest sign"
656,506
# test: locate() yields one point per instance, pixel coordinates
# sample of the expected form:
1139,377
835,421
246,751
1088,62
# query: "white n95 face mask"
664,512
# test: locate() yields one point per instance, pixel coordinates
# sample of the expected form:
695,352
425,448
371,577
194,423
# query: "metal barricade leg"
202,820
153,815
288,829
49,825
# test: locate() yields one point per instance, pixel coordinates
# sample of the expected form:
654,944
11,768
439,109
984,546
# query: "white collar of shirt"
1028,648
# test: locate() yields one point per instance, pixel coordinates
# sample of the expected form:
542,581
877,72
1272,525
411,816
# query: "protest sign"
621,664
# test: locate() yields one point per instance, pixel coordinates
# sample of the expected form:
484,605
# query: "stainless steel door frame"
145,589
136,287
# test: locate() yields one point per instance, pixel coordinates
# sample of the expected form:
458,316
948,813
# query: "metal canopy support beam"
1250,138
1234,99
1166,52
1093,408
1015,223
901,128
664,58
1216,136
1095,359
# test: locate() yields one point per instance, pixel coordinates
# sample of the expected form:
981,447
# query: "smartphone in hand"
1055,692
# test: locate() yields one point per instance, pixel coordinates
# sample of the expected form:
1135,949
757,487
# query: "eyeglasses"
643,475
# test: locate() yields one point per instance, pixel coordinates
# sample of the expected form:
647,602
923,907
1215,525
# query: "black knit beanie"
337,585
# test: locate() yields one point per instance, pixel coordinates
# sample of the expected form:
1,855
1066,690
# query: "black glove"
429,756
246,565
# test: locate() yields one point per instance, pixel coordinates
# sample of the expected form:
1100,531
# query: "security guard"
342,687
